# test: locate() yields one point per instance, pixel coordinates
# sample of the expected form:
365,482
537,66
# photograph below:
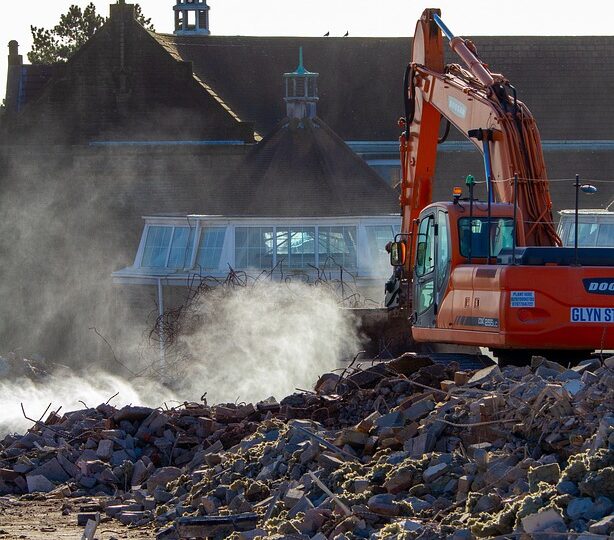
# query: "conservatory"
176,251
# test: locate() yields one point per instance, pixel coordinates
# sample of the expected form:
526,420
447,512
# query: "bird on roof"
347,33
327,34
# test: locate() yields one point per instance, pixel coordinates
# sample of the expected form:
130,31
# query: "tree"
76,26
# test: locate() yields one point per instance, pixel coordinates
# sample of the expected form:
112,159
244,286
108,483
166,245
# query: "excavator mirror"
398,251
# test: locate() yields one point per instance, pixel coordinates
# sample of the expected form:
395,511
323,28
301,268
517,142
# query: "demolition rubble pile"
397,450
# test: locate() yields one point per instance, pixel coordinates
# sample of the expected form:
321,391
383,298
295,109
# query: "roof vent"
191,18
301,91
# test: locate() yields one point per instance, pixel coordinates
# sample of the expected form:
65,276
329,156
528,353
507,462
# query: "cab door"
443,260
424,272
432,267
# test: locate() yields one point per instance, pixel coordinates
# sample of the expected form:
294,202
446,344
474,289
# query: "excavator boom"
484,108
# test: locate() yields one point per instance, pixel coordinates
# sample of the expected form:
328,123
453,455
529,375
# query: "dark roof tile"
361,78
303,169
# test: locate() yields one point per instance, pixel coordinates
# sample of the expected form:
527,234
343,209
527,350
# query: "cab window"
443,252
474,236
426,246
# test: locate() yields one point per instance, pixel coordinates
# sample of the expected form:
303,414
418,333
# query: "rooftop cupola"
301,91
191,18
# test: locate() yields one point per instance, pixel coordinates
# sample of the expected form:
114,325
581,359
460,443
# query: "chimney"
13,77
191,18
301,91
123,10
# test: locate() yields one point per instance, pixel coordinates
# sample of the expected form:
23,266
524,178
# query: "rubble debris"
396,450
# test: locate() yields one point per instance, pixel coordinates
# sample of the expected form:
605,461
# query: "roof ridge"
352,155
262,166
323,158
174,52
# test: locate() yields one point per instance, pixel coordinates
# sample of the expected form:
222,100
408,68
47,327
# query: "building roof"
356,97
303,169
33,80
361,78
121,85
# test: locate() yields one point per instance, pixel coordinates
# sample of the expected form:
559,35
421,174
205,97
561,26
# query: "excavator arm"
484,108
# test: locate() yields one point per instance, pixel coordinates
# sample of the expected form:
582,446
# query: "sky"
316,17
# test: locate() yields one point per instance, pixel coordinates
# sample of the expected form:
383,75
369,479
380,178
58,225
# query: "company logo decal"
456,107
599,285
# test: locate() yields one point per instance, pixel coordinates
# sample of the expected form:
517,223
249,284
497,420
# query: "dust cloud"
243,345
70,392
249,343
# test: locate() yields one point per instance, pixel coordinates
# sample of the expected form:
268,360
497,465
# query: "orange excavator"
488,273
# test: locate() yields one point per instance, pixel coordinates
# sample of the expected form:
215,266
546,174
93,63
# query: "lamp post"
589,190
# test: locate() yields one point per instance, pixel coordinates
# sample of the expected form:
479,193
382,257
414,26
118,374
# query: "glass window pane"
156,247
425,297
474,236
283,246
210,247
181,248
302,247
606,235
378,236
337,246
587,234
241,237
443,252
254,247
424,254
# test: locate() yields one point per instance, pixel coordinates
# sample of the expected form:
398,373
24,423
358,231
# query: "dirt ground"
56,520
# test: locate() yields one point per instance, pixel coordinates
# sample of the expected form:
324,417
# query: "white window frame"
227,256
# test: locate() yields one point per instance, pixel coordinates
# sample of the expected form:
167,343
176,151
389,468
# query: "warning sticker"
591,315
522,299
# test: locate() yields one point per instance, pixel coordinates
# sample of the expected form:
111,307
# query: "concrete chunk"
105,449
162,477
51,470
545,521
37,483
131,413
487,374
399,481
419,410
384,504
434,472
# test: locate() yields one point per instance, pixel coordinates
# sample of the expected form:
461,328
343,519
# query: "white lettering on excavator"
592,315
457,107
595,286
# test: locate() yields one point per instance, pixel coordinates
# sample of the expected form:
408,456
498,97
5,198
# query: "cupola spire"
191,18
301,91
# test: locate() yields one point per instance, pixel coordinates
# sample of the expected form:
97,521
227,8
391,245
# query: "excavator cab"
448,235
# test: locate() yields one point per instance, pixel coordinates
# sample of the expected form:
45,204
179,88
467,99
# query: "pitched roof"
122,85
34,77
303,169
357,98
361,78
